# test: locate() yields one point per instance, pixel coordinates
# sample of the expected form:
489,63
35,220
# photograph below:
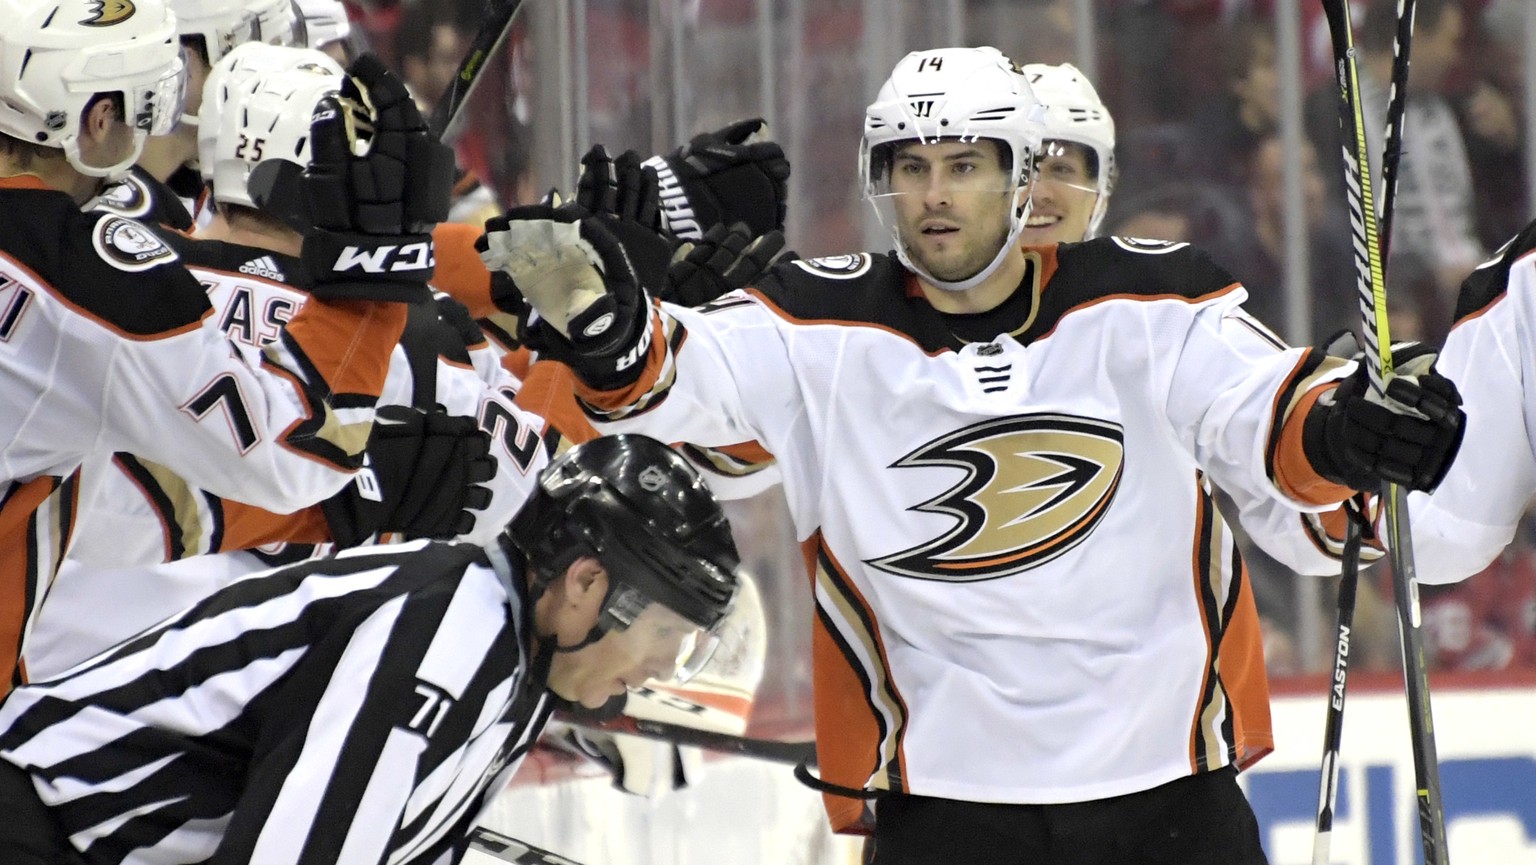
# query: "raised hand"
722,178
377,183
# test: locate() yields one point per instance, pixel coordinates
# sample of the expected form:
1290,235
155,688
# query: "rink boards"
1485,731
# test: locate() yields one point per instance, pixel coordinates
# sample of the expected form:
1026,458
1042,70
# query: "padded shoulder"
118,269
1490,280
1132,266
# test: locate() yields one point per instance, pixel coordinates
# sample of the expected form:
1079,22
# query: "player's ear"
100,115
586,583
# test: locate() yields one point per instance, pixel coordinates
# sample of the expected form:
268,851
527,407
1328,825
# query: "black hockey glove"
457,316
1410,436
722,178
574,275
723,261
424,474
377,183
624,195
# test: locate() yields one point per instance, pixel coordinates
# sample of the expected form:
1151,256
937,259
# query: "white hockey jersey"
106,343
1024,591
139,519
1491,356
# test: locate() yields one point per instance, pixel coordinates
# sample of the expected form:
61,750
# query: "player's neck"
164,155
987,295
56,174
248,232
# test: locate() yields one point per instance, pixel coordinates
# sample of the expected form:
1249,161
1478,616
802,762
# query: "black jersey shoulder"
860,289
140,196
1133,267
117,269
1490,280
239,258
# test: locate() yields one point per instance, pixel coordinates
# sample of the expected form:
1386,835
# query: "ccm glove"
624,194
424,474
722,178
589,310
1409,436
726,259
377,183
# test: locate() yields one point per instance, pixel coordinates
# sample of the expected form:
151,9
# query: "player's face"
650,648
952,200
1064,197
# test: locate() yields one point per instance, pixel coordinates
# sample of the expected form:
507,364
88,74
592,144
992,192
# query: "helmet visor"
957,164
1067,165
154,108
662,645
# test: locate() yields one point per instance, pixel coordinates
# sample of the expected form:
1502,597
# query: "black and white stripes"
358,709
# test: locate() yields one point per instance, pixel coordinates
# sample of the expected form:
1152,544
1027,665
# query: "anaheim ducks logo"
105,13
1035,486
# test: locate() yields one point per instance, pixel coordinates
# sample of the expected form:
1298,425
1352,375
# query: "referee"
363,709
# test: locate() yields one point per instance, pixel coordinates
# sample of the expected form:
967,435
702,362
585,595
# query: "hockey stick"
509,849
774,750
1349,579
1370,282
496,25
1333,727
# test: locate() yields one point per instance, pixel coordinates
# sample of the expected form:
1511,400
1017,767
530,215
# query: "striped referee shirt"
359,709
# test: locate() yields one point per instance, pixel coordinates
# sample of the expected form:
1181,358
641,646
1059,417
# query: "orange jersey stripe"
459,272
33,538
1294,473
349,341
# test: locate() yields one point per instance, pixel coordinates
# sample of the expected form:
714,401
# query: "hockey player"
163,187
1474,514
1077,169
108,343
137,515
1033,638
362,709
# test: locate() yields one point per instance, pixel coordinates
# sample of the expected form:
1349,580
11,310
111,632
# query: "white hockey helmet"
56,55
220,24
325,21
279,22
1075,113
952,93
257,106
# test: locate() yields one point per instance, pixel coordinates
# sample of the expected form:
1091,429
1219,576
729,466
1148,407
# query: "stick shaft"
763,749
496,25
509,849
1378,354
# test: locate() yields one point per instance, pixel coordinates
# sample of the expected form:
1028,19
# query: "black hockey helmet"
645,513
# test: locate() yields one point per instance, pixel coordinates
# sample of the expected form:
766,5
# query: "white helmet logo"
652,479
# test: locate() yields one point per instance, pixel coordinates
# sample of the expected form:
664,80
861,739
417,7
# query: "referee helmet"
638,507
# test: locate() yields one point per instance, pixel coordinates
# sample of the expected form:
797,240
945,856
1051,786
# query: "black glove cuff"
610,361
351,266
351,519
1315,445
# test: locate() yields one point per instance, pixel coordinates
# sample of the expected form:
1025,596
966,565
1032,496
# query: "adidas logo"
264,267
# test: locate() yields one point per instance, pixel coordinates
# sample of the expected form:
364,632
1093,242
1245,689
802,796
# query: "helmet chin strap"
592,636
980,276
